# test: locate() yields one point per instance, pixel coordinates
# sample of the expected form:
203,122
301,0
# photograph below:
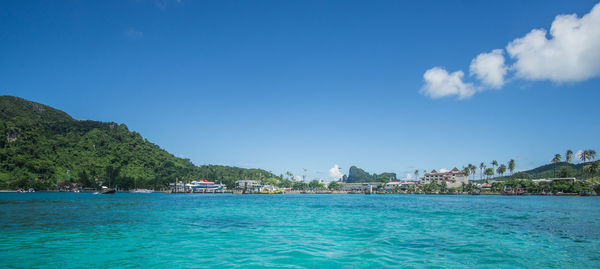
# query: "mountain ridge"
43,146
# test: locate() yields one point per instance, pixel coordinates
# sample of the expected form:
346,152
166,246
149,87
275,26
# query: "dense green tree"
592,168
314,184
300,185
469,187
566,172
334,185
42,143
521,175
444,187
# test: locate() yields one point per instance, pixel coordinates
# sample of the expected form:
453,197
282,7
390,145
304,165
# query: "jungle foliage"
41,147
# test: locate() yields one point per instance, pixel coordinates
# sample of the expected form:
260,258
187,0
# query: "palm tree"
481,167
591,154
501,169
489,172
417,173
569,156
511,166
467,171
473,169
556,160
583,156
568,159
494,164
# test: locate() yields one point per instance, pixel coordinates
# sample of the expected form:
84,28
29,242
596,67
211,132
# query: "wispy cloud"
570,54
134,34
163,4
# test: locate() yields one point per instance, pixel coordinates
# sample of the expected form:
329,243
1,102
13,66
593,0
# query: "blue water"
66,230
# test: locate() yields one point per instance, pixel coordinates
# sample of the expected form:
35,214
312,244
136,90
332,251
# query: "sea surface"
82,230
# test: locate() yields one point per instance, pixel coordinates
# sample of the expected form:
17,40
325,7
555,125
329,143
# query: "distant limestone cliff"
357,175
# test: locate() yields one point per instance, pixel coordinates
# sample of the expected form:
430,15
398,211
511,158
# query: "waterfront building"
552,180
453,178
360,187
248,185
177,186
404,184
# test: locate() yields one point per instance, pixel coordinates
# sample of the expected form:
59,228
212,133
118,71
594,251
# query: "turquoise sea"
80,230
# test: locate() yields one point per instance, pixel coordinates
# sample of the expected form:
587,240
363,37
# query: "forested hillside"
556,170
43,146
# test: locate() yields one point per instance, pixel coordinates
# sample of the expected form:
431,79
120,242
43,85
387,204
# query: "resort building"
453,178
248,185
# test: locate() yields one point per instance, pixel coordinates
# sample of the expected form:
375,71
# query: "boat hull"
110,191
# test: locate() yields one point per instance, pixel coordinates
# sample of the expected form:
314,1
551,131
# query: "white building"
453,178
399,184
248,185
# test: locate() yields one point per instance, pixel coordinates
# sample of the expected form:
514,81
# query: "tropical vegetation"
43,147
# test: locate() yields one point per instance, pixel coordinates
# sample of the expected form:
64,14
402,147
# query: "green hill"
561,169
357,175
40,144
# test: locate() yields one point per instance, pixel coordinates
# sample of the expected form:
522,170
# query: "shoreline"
323,193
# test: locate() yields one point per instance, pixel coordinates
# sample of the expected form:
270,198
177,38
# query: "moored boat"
204,185
106,190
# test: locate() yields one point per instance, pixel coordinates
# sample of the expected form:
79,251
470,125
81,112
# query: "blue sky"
287,85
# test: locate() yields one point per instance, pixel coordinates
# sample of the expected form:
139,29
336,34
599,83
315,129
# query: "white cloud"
439,83
489,68
334,173
298,178
571,54
409,176
443,170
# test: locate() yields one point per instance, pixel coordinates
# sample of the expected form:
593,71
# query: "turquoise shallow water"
297,231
